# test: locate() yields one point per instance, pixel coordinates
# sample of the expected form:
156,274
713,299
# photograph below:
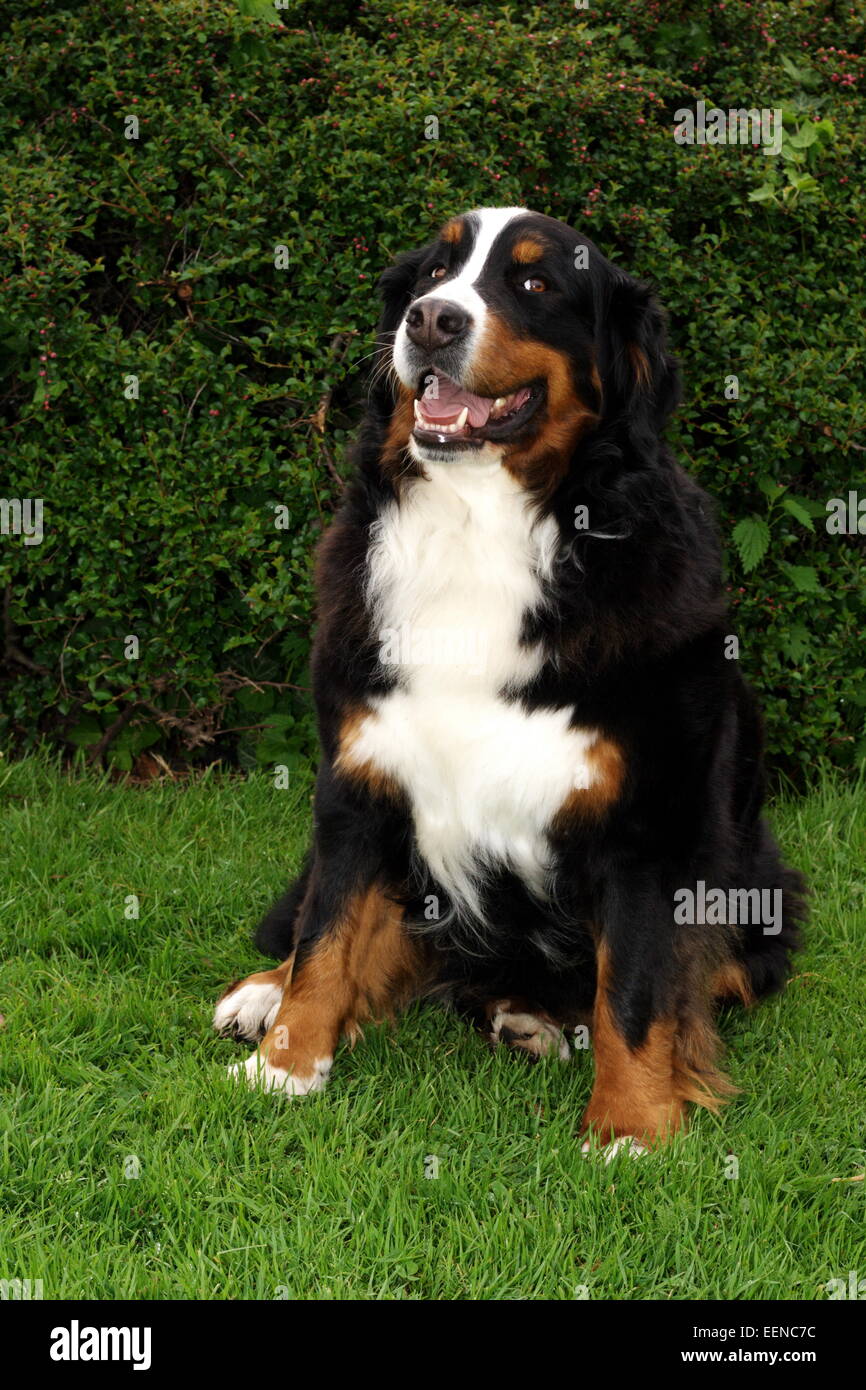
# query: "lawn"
131,1167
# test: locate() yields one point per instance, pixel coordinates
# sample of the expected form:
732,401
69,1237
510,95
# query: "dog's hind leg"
525,1029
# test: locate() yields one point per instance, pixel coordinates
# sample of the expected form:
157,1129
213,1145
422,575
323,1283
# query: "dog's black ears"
395,287
640,381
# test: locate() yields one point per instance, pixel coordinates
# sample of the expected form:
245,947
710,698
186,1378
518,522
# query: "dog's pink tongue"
450,399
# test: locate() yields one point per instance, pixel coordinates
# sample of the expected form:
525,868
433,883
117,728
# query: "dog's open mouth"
449,414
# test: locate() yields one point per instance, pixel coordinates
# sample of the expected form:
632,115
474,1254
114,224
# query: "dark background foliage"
305,127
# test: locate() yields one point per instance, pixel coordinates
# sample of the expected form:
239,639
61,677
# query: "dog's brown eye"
535,285
437,272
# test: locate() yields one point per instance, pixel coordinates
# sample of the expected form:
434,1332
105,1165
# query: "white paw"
527,1033
248,1011
258,1073
627,1145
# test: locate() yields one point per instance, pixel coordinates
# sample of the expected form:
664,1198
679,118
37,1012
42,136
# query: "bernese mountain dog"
540,789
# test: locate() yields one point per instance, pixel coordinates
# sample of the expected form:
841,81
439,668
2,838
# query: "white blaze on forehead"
488,224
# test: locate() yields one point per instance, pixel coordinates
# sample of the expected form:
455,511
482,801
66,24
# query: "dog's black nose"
434,323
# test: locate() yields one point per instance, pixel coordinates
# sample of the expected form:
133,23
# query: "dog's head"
512,339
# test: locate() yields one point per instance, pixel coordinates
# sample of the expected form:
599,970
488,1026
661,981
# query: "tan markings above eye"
528,250
535,284
437,272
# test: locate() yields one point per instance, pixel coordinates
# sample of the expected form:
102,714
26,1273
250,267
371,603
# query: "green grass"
107,1052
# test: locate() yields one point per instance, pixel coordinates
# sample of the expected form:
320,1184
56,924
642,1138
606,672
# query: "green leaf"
85,732
791,68
804,578
255,701
805,136
795,642
803,76
280,721
812,507
770,487
751,537
259,9
796,509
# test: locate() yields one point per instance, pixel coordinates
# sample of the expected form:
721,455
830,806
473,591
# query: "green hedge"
154,258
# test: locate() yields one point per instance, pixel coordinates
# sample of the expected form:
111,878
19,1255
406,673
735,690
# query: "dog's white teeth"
426,423
499,402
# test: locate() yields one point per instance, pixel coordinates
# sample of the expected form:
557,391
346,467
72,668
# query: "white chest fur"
452,570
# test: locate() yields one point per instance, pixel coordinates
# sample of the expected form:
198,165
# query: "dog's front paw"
248,1008
260,1074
